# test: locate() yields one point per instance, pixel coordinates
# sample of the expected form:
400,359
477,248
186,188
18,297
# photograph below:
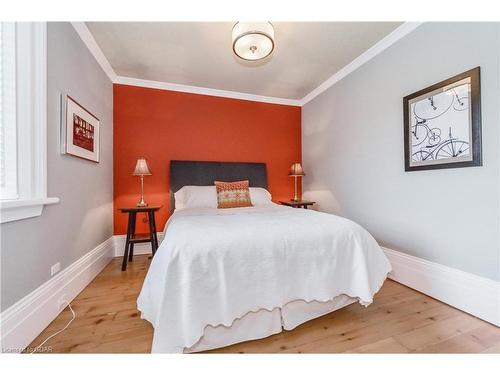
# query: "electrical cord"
58,332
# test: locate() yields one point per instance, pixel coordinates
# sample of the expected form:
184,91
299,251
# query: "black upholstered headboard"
204,173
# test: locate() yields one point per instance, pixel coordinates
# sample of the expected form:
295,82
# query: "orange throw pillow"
233,194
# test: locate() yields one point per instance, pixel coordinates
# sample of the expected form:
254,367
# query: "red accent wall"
167,125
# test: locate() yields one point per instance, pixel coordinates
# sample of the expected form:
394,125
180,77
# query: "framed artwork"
80,131
442,124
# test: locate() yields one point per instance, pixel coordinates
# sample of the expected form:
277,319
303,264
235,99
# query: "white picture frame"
79,131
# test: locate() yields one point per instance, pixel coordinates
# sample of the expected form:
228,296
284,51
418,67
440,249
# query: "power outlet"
55,268
61,302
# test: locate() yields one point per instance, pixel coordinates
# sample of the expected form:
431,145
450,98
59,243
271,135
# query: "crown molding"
87,37
204,91
366,56
85,34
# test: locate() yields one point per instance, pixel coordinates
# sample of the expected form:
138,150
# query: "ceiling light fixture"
253,40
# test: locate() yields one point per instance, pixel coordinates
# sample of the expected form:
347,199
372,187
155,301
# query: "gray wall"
83,218
352,147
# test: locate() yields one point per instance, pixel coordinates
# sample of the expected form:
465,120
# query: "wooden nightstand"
297,204
133,238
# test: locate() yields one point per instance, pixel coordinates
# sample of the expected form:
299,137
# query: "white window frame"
8,119
31,124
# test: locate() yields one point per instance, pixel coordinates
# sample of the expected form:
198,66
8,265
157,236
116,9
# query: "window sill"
23,208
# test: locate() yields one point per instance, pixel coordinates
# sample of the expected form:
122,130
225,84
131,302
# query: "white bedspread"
217,265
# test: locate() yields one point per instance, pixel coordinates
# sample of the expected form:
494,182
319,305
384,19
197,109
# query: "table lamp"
296,171
141,169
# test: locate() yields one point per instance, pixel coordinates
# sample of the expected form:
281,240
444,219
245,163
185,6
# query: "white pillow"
260,196
196,197
206,197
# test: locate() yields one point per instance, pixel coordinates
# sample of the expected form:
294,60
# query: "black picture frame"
474,123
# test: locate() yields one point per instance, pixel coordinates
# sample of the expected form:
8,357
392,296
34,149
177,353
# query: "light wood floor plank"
493,349
456,344
400,320
383,346
431,334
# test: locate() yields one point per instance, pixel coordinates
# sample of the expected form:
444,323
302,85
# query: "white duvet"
214,266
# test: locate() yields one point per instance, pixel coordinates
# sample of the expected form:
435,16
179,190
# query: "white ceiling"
200,54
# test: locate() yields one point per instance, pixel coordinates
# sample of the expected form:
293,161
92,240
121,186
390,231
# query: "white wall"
83,219
352,147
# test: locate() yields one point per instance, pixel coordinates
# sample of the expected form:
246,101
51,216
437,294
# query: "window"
23,182
8,172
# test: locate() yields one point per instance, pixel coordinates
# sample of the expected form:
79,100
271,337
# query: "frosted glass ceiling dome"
253,40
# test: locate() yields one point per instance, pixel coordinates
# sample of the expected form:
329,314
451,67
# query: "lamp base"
295,192
141,203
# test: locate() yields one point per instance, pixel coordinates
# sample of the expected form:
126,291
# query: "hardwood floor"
400,320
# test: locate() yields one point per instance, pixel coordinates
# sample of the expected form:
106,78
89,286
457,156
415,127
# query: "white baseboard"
23,321
473,294
139,248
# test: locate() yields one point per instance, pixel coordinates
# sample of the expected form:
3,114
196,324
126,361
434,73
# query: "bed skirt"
264,323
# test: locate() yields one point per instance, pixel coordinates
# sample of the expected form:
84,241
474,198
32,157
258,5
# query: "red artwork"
83,133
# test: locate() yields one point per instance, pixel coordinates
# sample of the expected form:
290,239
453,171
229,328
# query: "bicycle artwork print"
442,124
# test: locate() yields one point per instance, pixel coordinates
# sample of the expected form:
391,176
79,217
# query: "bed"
223,276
